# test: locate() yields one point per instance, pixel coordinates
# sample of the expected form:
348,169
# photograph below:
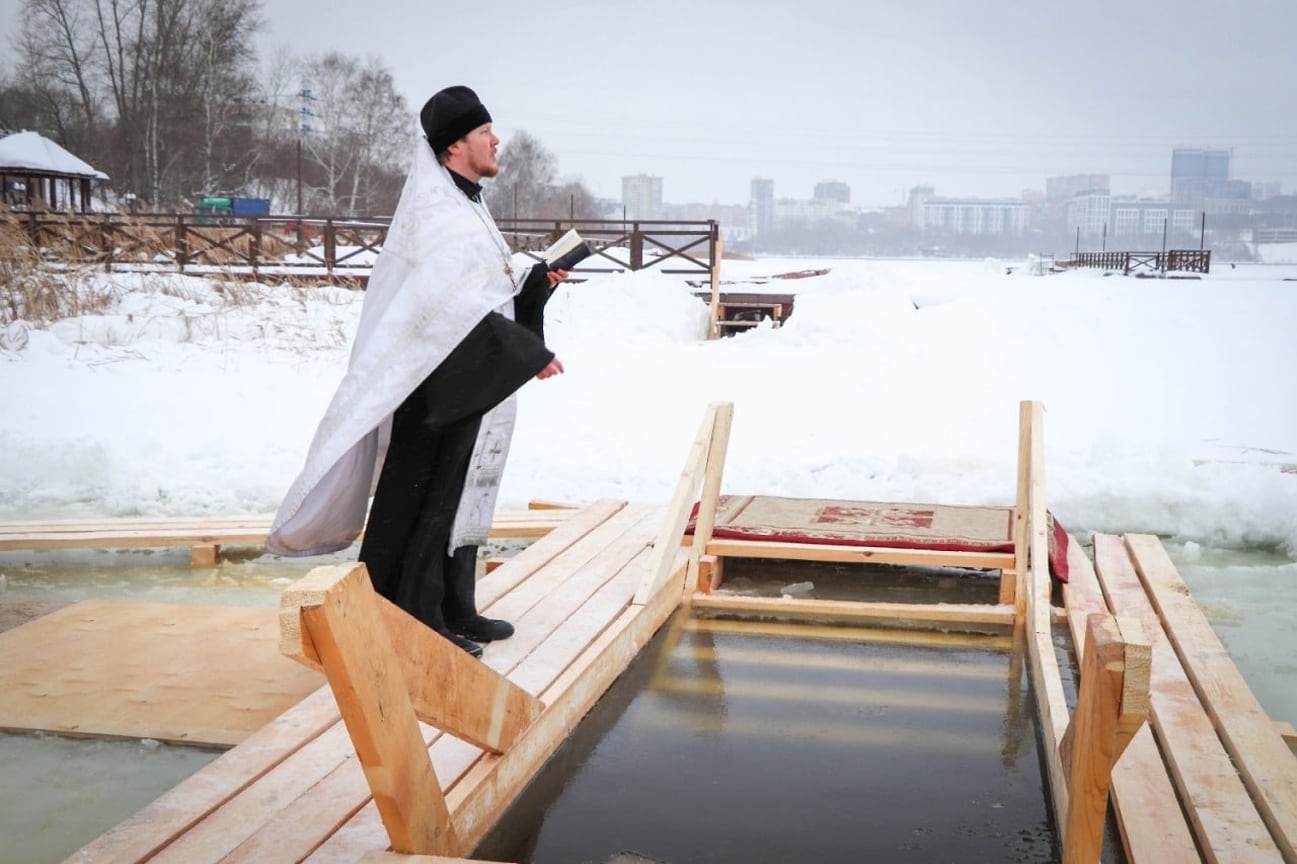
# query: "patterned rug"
872,523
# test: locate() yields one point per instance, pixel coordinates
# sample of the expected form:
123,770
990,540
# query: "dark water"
743,742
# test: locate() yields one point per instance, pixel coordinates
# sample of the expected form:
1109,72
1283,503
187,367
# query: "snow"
1169,404
35,152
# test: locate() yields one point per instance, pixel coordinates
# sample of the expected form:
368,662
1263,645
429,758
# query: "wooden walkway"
295,791
349,773
205,537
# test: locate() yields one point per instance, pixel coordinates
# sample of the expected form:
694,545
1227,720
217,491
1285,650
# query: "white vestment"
443,268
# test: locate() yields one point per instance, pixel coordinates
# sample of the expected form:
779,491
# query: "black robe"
422,480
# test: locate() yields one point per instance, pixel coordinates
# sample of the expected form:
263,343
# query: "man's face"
473,156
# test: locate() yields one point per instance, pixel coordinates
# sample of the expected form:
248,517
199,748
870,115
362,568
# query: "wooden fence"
1174,260
338,249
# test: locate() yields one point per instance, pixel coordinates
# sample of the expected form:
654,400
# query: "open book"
568,251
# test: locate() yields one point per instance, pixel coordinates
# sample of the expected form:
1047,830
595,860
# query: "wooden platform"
109,668
205,537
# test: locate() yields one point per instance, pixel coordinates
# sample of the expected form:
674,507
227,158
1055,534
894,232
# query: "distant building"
761,207
641,196
968,215
1266,191
1196,173
1063,189
1200,180
833,190
730,219
1129,222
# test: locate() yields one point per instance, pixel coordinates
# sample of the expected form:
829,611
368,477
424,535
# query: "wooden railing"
289,247
1174,260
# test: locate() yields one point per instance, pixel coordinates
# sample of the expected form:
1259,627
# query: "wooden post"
1015,592
712,472
1112,703
332,619
445,687
714,330
673,526
347,633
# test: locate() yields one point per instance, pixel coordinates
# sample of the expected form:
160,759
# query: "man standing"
448,332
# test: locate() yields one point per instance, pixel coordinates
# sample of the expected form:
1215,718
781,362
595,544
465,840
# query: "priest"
423,417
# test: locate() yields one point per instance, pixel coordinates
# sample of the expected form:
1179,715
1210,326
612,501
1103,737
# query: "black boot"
459,603
468,645
482,629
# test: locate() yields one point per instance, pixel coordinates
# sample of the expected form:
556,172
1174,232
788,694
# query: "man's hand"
554,368
555,277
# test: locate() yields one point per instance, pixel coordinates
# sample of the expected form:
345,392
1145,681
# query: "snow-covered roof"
35,152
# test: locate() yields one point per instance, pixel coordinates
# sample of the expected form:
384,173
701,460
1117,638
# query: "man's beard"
486,168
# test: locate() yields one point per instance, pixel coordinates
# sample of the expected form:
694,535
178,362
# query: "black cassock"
433,433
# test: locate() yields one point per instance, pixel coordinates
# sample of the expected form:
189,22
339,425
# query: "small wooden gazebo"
36,173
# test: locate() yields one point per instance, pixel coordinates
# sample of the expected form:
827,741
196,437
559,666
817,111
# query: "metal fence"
1173,260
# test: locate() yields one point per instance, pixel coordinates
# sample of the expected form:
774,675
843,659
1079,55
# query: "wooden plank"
724,547
673,526
1016,593
232,531
1033,605
490,787
351,637
1265,763
1223,817
1287,732
601,548
971,616
712,473
868,635
220,832
1149,816
150,829
521,566
97,668
1096,731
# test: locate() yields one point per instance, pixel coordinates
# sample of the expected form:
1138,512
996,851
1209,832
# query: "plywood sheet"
174,672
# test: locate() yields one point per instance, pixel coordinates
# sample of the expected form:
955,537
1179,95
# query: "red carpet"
871,523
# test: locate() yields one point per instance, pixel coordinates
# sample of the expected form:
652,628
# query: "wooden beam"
465,697
724,547
1016,593
1224,820
712,473
1265,763
1032,604
713,308
682,501
1098,733
1012,591
351,638
952,616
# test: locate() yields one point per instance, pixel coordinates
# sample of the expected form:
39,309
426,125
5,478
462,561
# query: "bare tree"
360,129
528,187
151,82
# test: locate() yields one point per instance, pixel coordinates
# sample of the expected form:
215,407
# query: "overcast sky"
975,99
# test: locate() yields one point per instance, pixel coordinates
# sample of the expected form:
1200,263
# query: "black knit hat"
450,115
